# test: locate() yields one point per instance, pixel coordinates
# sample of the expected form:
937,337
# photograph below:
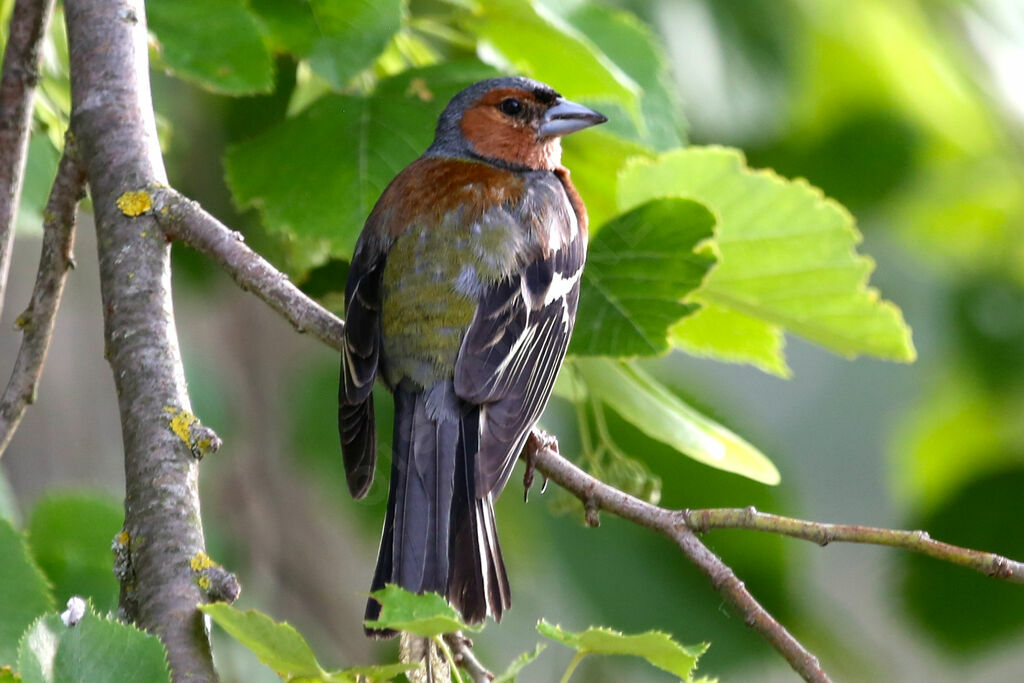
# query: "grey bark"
29,22
113,121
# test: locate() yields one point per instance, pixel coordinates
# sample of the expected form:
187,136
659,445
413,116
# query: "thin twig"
990,564
38,319
185,220
462,652
542,453
29,22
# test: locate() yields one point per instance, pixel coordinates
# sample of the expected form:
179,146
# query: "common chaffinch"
461,298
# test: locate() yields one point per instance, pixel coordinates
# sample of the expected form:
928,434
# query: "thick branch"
183,219
990,564
596,495
29,22
113,121
38,319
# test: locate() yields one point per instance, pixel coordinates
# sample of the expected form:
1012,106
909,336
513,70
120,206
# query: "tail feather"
438,534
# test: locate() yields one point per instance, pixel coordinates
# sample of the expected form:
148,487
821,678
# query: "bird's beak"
568,117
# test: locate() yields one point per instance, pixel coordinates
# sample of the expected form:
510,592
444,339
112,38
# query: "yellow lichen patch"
204,583
181,423
135,203
123,538
201,561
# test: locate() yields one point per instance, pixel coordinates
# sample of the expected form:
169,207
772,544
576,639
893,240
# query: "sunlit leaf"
278,645
633,47
728,335
340,38
660,414
304,192
787,254
214,43
658,648
95,649
24,591
426,615
595,158
527,38
639,268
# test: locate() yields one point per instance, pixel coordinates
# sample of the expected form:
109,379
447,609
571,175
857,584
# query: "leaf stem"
572,666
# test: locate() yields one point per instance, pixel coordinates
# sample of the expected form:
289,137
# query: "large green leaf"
95,649
214,43
339,37
787,254
426,615
632,46
660,414
71,537
278,645
317,175
283,649
595,158
639,267
658,648
24,591
749,339
525,37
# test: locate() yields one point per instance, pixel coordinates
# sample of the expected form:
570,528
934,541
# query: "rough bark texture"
38,319
112,119
29,22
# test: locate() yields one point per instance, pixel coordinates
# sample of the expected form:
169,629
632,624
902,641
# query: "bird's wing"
515,345
360,352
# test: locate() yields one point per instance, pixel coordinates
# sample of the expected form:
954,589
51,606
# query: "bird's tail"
438,534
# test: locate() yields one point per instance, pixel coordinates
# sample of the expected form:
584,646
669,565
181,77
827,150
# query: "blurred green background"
909,113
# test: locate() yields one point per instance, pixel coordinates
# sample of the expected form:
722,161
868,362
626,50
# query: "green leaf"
96,649
426,615
24,591
639,268
40,170
787,254
633,47
213,43
660,414
304,193
278,645
656,647
523,36
595,158
725,334
517,665
339,37
7,675
71,537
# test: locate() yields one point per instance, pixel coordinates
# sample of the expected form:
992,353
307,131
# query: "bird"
461,298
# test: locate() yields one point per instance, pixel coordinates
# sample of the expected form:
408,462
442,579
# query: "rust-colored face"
503,125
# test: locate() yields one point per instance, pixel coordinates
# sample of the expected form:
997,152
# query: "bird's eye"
511,106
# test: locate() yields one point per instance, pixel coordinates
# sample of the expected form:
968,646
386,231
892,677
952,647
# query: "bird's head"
513,120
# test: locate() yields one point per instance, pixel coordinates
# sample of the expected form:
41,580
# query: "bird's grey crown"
448,138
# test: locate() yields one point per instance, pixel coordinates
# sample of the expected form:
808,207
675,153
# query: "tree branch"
183,219
990,564
38,319
542,453
29,22
113,121
462,653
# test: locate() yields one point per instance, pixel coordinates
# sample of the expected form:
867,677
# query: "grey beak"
568,117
